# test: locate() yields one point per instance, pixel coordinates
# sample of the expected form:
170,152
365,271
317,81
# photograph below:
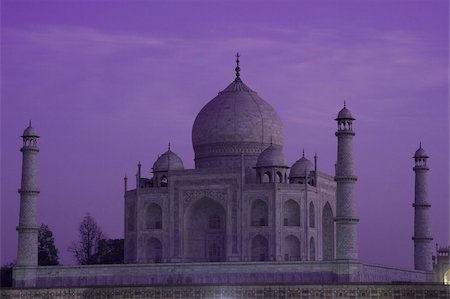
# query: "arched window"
327,233
291,213
164,181
154,217
292,251
259,213
130,217
312,249
260,248
154,250
214,252
312,219
214,221
267,177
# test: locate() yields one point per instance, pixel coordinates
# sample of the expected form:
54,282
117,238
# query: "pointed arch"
267,177
312,215
327,233
447,277
205,231
164,181
259,213
153,217
312,249
279,177
292,248
291,212
260,248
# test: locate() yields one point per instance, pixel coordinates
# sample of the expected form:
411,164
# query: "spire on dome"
237,69
303,153
169,146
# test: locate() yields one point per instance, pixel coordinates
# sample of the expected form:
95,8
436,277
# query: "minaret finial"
271,140
237,69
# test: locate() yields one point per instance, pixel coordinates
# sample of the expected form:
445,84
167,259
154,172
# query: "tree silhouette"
47,252
85,250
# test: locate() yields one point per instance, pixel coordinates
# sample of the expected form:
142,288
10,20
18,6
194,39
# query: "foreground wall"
219,273
240,291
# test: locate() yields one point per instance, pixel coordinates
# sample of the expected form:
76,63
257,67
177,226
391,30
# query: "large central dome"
237,121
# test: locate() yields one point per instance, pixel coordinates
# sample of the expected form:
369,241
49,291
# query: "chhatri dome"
270,157
300,167
237,121
30,131
168,161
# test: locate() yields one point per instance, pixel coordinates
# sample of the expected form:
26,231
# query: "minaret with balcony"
346,219
27,252
422,231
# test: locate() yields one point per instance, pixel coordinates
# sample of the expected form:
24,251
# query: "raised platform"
229,273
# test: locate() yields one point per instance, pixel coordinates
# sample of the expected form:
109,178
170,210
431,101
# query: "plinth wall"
219,273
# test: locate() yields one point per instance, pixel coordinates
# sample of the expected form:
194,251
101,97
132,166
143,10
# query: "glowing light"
447,277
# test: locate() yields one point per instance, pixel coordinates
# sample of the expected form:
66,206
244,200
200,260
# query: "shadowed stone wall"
240,291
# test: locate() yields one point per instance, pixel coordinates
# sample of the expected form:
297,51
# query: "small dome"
30,132
168,161
420,153
300,167
271,156
345,114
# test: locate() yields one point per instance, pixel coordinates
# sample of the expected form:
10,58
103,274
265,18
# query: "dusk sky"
110,83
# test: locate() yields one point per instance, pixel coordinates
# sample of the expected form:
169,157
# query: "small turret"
270,166
166,162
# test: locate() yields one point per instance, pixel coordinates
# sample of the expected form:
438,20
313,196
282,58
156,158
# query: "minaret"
422,233
346,220
27,252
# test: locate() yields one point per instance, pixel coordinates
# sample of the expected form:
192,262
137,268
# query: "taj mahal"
241,216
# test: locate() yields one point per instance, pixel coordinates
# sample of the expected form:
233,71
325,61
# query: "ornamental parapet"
346,219
30,229
421,205
29,149
422,239
347,178
421,168
37,191
344,133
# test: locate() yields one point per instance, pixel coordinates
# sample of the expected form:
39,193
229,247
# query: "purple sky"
109,83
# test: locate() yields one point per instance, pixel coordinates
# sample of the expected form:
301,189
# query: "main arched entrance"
205,232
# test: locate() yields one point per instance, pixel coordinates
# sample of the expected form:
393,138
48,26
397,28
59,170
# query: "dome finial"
420,144
345,105
237,69
271,140
169,146
29,123
303,153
